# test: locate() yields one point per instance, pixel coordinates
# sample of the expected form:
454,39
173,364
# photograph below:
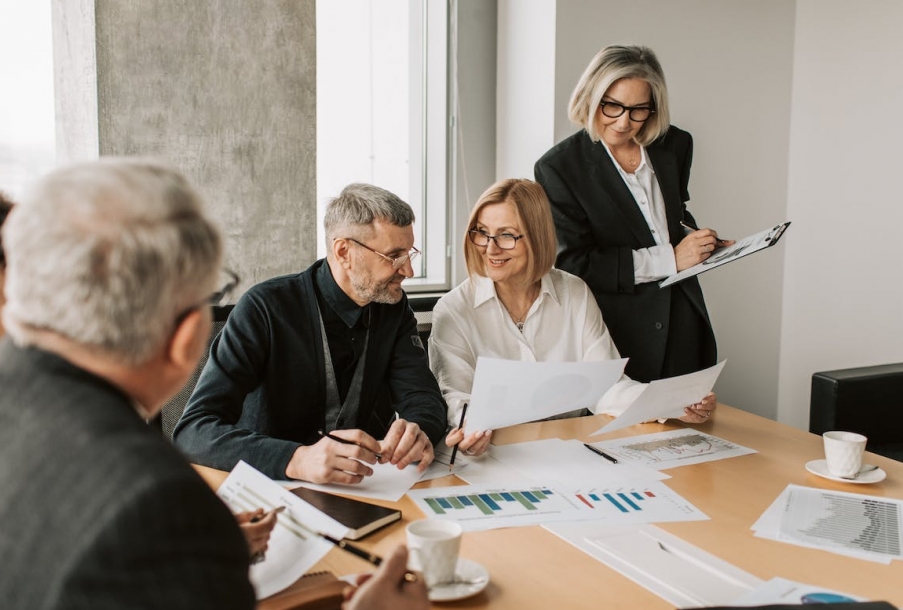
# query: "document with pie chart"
510,392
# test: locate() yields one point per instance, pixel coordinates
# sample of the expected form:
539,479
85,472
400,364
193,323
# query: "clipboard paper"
722,256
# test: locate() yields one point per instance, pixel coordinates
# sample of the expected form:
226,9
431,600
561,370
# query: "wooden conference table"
532,568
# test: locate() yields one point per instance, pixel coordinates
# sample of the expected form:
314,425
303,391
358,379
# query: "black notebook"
360,517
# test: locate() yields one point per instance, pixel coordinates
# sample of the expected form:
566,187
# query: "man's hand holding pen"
341,456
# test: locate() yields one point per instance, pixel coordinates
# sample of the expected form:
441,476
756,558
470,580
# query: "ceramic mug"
433,546
843,452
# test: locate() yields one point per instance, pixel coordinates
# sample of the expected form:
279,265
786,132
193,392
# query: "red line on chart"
585,501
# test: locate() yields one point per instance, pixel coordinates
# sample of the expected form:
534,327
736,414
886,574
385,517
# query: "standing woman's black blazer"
599,224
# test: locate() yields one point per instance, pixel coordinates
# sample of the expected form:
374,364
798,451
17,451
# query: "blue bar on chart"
624,502
488,503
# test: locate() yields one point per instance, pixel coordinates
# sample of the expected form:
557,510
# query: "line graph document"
661,450
857,525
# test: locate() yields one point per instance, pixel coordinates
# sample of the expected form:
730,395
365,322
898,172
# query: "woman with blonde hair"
515,306
618,189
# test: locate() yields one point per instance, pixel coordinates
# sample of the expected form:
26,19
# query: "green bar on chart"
525,502
435,506
478,502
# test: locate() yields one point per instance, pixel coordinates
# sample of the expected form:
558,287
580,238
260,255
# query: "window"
27,124
382,114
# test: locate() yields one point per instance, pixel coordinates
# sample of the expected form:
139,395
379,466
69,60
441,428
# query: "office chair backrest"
867,400
423,312
172,411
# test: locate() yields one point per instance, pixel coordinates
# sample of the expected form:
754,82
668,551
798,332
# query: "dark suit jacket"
98,510
599,225
262,393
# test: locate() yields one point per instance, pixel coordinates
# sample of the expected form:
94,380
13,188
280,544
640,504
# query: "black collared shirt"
346,327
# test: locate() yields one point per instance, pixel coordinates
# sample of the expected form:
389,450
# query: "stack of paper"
857,525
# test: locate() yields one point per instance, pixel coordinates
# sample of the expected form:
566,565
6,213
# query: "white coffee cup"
434,545
843,452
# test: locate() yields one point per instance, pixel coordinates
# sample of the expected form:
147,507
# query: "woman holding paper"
618,190
517,307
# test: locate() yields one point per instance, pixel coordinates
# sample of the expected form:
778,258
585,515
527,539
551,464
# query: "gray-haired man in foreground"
109,268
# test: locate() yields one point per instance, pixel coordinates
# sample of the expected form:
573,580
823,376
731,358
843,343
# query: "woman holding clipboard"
618,190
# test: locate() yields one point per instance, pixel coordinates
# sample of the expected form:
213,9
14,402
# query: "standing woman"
618,190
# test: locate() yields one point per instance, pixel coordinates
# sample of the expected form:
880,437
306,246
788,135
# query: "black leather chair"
423,312
867,400
172,411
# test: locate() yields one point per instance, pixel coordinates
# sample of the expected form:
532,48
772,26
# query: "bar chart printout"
486,507
662,450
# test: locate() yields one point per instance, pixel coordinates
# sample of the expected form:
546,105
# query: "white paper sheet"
509,392
292,550
386,483
668,566
783,591
482,507
666,398
722,256
661,450
856,525
568,464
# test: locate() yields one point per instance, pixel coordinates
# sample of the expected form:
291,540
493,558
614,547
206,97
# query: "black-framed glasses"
397,262
505,241
221,295
637,114
215,299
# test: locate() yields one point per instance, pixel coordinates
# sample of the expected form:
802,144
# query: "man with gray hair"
312,369
109,266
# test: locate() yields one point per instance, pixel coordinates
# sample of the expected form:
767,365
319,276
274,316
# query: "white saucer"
466,570
820,468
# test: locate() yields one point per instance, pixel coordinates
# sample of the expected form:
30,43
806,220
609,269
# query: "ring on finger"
468,452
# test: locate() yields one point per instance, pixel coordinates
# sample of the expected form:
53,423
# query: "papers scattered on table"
386,483
666,565
783,591
856,525
482,507
292,550
509,392
661,450
666,398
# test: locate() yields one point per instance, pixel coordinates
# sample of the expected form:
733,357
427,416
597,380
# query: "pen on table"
451,462
687,225
370,557
339,439
600,452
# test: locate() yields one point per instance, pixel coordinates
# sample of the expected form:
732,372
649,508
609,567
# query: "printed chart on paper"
673,448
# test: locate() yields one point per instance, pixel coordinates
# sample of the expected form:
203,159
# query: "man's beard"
375,292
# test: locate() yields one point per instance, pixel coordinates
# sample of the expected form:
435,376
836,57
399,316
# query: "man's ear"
189,339
341,251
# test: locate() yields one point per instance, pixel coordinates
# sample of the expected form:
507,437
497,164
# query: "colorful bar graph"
488,503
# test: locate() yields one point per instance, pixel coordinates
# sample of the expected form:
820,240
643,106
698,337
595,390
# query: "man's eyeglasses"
505,241
215,299
636,113
397,262
223,294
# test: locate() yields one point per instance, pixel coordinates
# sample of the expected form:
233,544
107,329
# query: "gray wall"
728,67
224,90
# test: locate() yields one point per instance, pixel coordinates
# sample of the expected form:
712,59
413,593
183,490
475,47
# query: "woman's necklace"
519,320
629,161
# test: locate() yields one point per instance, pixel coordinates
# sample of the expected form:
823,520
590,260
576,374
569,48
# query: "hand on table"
406,443
387,588
331,461
472,444
697,247
700,412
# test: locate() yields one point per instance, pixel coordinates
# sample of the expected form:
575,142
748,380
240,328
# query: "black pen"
687,225
339,439
374,559
600,452
451,462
